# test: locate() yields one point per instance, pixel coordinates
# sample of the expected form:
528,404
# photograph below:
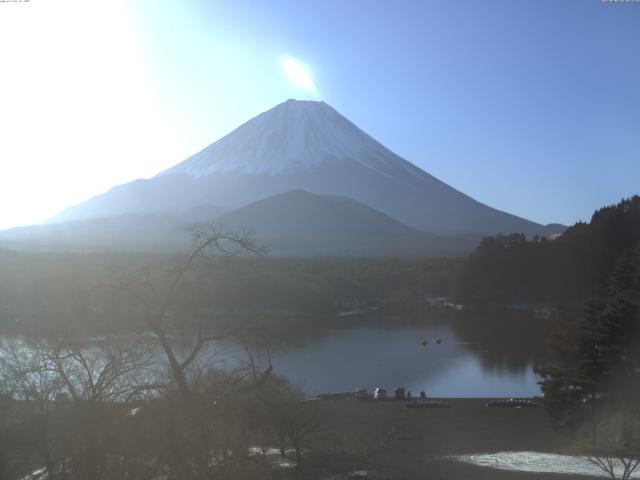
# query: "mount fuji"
305,145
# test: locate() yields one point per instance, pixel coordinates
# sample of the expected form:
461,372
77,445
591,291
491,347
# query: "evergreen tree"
598,355
569,269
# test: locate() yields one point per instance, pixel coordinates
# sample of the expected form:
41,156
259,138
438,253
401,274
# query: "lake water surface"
468,358
464,364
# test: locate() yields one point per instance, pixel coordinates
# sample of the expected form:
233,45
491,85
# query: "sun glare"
299,76
75,98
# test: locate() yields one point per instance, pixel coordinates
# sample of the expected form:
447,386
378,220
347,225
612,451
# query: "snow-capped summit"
296,134
304,145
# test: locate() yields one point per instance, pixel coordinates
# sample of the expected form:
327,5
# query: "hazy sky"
532,107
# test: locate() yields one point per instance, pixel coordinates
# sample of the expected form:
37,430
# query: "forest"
43,292
565,271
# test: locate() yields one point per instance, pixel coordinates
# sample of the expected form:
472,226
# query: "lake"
475,357
493,360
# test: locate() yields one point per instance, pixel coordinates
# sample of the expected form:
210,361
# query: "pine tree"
599,355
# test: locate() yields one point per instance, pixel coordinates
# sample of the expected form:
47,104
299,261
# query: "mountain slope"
126,232
304,145
303,223
289,224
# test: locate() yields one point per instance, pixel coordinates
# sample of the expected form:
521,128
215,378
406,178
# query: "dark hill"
303,223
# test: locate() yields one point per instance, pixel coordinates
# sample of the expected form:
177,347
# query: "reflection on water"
366,357
461,357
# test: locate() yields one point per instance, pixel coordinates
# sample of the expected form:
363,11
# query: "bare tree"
71,398
36,387
155,404
157,295
289,417
200,441
617,452
368,447
6,412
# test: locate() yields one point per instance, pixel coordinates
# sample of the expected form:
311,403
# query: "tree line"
591,385
38,290
592,388
567,270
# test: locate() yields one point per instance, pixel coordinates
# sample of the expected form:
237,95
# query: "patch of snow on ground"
538,462
274,454
38,474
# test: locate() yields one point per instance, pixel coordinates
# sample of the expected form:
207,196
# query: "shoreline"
424,442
